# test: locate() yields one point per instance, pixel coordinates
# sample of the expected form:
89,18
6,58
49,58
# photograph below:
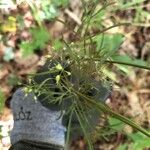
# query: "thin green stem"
128,64
106,29
105,109
69,129
80,119
119,62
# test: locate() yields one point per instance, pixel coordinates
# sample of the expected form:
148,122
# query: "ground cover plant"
92,51
88,55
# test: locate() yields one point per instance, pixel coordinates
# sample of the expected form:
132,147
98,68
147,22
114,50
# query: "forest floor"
130,97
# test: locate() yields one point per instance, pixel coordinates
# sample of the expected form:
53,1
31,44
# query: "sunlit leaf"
115,124
109,42
27,48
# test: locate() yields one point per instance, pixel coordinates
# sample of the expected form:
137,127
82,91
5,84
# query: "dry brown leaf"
1,50
3,73
136,109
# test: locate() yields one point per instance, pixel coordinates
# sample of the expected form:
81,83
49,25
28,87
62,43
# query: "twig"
73,16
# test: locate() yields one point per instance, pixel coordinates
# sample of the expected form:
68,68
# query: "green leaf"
138,136
2,100
140,145
58,45
27,48
123,68
49,12
106,109
122,147
116,124
13,80
40,37
20,22
109,42
126,60
140,141
63,3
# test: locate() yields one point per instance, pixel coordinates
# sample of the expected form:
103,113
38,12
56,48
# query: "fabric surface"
28,145
34,122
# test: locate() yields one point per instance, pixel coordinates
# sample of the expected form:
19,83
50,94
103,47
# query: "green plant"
87,57
13,80
139,15
90,55
136,141
46,10
40,37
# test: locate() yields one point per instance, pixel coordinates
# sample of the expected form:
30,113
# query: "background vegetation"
117,30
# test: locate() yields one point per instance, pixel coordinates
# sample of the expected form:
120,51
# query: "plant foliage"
87,57
91,53
40,37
